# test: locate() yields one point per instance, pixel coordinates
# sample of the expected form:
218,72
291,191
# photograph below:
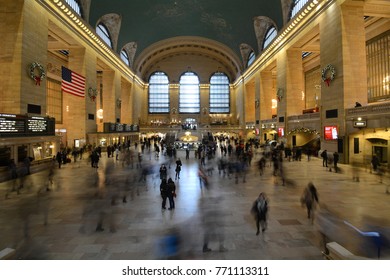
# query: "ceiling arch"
188,52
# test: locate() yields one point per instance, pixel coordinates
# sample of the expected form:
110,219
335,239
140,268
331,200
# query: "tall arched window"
297,6
103,33
219,94
269,36
189,93
251,58
125,57
75,5
158,93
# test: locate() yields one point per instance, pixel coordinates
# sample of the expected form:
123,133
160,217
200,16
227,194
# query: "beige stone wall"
267,93
354,55
239,116
126,102
11,32
250,102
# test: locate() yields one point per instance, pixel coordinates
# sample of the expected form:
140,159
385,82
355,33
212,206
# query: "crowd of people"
233,161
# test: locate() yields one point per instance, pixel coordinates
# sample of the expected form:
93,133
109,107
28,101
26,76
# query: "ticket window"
22,153
5,155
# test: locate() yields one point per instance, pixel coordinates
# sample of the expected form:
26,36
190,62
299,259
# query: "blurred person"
212,218
261,165
310,200
59,159
27,163
375,163
169,245
171,193
163,172
203,180
260,211
335,161
355,171
164,191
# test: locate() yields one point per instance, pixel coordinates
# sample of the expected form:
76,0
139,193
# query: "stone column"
205,104
109,100
11,56
126,110
266,95
74,113
354,54
294,83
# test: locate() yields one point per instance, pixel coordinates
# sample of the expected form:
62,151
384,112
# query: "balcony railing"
382,108
304,117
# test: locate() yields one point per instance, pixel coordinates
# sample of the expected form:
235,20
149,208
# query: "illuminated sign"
19,125
280,131
359,124
331,132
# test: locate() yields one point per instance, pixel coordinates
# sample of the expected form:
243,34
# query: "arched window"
269,36
125,57
219,94
75,5
189,93
297,6
251,58
158,93
103,33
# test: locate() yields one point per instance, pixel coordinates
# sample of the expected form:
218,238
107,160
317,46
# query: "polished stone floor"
61,223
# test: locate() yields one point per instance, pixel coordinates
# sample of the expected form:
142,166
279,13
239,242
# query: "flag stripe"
72,82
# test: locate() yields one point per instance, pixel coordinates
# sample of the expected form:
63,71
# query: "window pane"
297,6
219,94
74,5
102,31
251,58
269,36
159,93
378,67
189,94
125,57
54,99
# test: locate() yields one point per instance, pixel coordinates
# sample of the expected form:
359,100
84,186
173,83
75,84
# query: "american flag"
72,82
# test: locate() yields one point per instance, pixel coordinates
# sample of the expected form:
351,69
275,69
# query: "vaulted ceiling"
229,22
217,28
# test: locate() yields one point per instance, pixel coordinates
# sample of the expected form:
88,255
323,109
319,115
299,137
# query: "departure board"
19,125
12,124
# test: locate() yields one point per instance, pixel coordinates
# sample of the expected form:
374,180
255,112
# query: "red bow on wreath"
37,80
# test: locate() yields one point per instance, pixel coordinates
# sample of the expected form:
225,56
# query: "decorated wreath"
327,78
37,72
92,93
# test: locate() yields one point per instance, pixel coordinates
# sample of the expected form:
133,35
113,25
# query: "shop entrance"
380,152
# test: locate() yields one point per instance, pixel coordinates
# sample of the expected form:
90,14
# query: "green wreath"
41,73
324,74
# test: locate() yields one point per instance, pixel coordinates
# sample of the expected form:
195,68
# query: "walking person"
164,191
59,159
324,156
335,160
375,163
171,193
163,172
310,200
260,210
178,169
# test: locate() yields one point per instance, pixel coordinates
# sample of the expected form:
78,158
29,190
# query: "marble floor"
61,224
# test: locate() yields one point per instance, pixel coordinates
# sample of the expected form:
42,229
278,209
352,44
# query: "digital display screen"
19,125
331,133
280,131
